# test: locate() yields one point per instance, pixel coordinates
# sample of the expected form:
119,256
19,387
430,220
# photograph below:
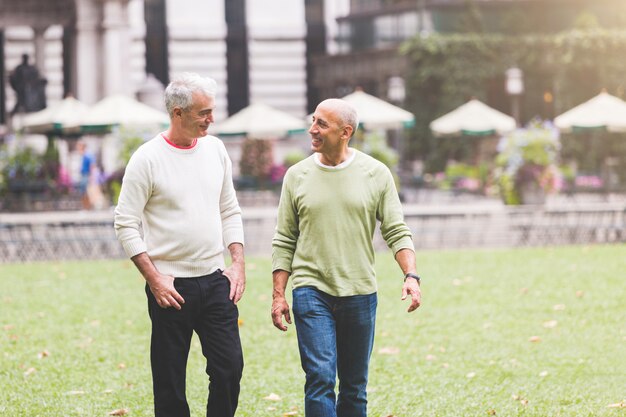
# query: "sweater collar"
169,142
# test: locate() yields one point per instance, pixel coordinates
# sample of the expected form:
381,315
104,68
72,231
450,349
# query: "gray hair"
344,111
179,92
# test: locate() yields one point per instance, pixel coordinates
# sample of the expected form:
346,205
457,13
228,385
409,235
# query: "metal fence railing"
66,235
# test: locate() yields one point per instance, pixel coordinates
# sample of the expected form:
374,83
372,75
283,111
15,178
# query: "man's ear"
347,130
177,112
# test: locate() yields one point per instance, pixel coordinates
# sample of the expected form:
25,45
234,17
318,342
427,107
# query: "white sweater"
185,200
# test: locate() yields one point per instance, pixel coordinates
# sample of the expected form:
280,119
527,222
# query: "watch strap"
412,275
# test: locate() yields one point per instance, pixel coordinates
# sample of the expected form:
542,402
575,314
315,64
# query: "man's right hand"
280,308
162,287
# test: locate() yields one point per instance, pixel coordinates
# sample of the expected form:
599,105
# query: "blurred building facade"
288,54
369,34
257,51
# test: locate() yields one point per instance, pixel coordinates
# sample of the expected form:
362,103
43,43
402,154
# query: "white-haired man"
327,215
178,186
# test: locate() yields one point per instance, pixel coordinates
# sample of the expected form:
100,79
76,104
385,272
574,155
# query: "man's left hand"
236,274
412,287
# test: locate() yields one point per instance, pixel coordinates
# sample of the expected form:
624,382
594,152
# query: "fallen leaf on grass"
389,351
119,412
491,412
121,366
76,392
522,401
621,404
30,371
580,293
239,322
43,354
534,339
559,307
550,324
290,413
272,397
85,343
8,327
431,357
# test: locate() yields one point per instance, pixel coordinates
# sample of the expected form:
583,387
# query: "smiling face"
329,134
195,120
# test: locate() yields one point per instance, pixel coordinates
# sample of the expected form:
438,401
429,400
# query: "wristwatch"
412,275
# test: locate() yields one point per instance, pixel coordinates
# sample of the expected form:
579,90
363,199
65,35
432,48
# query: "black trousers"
208,312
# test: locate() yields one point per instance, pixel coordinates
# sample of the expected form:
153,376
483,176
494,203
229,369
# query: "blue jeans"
335,338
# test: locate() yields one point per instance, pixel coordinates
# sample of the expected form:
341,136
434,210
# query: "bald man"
327,215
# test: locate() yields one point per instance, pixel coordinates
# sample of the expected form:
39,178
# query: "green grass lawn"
527,332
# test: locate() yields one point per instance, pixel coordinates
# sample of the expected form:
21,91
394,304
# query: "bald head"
344,112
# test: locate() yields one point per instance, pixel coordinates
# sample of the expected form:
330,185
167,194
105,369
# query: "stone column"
40,49
116,41
87,53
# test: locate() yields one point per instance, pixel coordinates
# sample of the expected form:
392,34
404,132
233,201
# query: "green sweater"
326,223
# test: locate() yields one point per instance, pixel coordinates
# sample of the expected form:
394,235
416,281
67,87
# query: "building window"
376,32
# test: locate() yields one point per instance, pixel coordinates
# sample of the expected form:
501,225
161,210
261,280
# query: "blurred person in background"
87,166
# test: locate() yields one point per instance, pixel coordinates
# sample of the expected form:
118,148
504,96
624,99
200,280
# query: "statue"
29,87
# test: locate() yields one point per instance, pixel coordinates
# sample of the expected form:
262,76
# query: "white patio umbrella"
602,111
122,110
376,113
56,118
261,121
473,118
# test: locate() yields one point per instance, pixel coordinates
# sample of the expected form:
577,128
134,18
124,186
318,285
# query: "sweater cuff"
233,236
134,247
404,243
281,259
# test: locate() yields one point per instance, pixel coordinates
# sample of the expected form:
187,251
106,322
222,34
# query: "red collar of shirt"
177,146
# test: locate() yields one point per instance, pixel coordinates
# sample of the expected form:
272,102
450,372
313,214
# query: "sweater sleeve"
230,212
287,228
392,225
135,192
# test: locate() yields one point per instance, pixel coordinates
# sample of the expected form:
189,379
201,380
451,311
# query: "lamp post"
515,88
396,93
396,90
